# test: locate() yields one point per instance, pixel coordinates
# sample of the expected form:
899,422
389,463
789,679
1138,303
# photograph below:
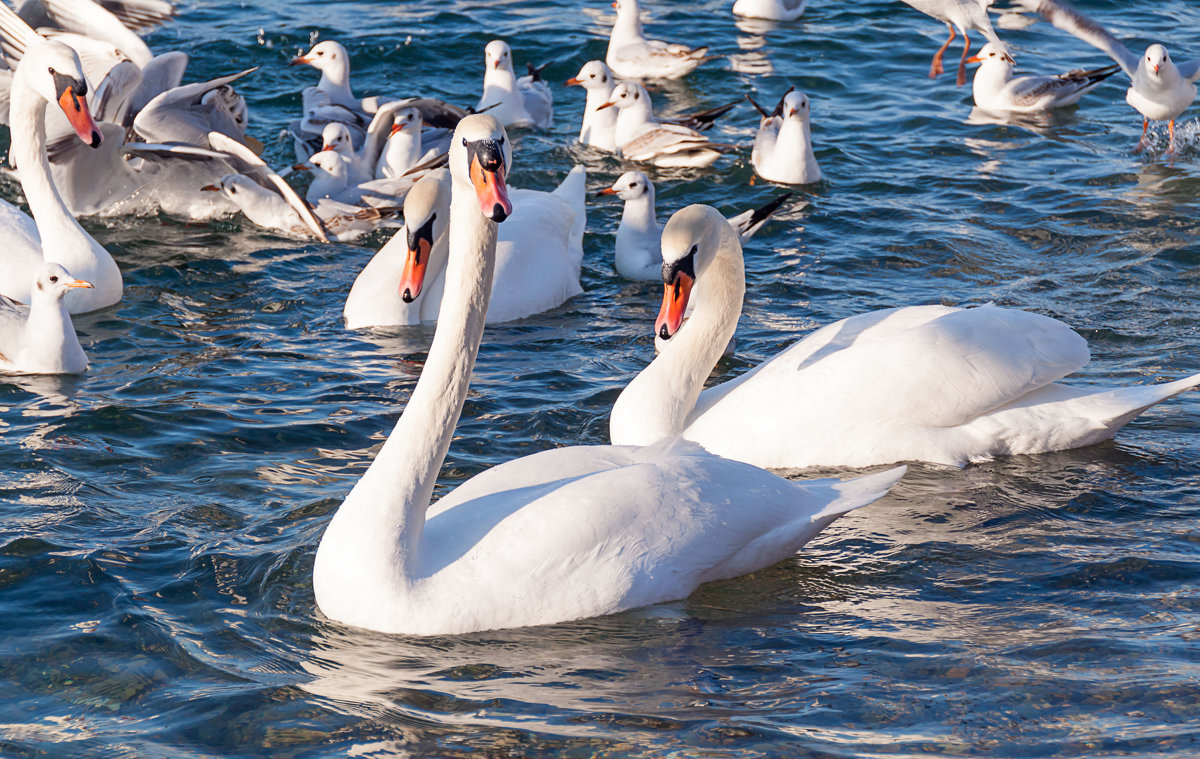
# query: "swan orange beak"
75,107
675,299
413,276
487,174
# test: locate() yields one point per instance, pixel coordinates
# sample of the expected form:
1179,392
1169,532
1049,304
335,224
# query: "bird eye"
694,249
233,191
500,141
464,142
53,277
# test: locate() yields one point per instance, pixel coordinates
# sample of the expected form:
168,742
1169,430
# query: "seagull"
599,124
40,338
269,209
639,247
632,56
1161,89
966,15
771,10
783,146
995,89
511,101
640,136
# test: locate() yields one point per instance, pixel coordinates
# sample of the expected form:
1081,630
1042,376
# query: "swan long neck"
656,405
63,240
387,507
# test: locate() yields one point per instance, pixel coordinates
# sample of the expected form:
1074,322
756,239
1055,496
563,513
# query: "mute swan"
40,339
632,56
560,535
966,15
638,249
514,102
1160,89
922,383
783,146
50,72
538,257
995,88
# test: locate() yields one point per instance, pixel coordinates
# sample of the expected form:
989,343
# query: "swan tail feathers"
859,492
573,189
1117,408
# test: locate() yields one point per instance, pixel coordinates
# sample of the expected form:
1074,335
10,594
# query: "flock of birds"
100,125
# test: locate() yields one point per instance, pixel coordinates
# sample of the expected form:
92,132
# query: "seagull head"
993,53
1156,57
498,55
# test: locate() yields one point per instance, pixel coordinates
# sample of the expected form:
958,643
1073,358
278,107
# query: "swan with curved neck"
564,534
921,383
50,72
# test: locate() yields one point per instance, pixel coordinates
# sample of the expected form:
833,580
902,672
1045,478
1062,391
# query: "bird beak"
79,283
300,59
397,127
791,112
573,81
974,59
210,188
300,167
487,174
76,110
602,106
1156,68
675,298
412,278
496,64
615,5
326,147
608,191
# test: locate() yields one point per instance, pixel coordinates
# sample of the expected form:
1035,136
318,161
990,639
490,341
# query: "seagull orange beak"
573,81
974,59
675,299
325,147
608,191
602,106
79,283
1156,68
300,59
210,188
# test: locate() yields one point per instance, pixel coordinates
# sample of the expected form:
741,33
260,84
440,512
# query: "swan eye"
53,277
695,249
464,142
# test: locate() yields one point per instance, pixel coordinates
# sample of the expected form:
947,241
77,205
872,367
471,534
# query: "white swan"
514,102
639,235
1160,89
560,535
539,254
772,10
599,123
40,339
923,383
50,73
632,56
783,146
995,88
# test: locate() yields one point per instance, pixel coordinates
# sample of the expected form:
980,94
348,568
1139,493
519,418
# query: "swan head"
53,71
480,156
406,118
627,95
691,242
993,53
630,186
1156,58
328,57
595,75
54,281
795,105
425,217
336,137
498,55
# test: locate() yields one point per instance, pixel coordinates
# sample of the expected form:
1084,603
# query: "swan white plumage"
783,149
630,55
563,534
922,383
639,235
599,123
514,102
50,72
996,89
539,254
40,338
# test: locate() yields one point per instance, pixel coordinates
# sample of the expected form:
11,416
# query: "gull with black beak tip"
514,102
1160,89
40,338
783,149
996,89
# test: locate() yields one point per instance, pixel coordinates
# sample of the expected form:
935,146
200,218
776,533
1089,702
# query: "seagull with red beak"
783,150
996,89
1160,90
40,338
524,102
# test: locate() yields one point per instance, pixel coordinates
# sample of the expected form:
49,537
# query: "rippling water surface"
158,516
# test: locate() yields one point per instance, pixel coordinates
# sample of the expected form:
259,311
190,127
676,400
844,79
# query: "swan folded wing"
1079,25
926,366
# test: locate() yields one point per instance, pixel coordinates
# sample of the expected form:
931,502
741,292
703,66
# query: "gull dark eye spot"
53,277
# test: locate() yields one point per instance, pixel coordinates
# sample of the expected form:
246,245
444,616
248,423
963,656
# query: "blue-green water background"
158,516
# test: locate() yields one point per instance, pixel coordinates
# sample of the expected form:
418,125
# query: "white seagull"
996,89
640,136
632,56
783,146
1161,89
599,124
514,102
639,236
966,15
40,338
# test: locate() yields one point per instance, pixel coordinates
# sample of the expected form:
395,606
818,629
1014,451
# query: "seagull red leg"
935,68
962,62
1142,142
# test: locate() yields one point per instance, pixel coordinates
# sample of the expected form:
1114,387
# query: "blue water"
158,516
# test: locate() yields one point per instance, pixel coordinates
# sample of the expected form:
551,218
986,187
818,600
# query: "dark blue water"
158,516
